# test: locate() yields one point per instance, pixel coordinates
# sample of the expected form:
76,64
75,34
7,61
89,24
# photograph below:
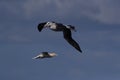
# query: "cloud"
106,11
14,14
15,34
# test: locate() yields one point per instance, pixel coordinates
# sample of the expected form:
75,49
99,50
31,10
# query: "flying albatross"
45,55
66,32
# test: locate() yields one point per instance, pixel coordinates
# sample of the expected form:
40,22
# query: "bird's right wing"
40,26
68,37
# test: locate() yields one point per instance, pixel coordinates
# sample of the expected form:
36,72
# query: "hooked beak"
46,26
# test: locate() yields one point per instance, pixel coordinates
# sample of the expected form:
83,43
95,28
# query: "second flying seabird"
45,55
60,27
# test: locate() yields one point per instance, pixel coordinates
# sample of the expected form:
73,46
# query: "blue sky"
98,29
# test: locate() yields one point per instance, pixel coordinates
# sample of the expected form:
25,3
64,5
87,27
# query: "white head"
48,24
52,54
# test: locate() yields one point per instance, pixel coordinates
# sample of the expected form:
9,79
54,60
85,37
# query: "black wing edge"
40,26
68,37
45,53
74,44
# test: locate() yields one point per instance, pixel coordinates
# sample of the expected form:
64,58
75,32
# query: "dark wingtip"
40,26
39,30
80,50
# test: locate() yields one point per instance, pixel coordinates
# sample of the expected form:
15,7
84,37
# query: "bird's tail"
36,57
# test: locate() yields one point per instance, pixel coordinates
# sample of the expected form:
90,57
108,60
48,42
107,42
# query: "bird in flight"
66,29
45,55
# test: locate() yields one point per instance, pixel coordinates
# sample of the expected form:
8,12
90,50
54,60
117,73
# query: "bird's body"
66,29
45,55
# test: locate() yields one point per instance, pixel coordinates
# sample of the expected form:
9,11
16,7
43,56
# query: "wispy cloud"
106,11
16,34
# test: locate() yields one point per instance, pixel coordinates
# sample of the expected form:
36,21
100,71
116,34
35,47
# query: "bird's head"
53,54
71,27
48,24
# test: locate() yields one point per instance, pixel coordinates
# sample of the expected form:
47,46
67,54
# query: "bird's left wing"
45,53
40,26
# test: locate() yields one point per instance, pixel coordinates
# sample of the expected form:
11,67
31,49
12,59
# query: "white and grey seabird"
45,55
60,27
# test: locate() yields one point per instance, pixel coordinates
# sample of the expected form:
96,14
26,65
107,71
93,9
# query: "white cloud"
18,38
109,11
106,11
15,34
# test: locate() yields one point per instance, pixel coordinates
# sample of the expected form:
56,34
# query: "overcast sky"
98,34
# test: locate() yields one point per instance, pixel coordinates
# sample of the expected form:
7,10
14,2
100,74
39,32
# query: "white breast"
53,26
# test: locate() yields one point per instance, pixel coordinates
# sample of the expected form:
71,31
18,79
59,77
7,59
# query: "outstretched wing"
40,26
46,54
68,37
